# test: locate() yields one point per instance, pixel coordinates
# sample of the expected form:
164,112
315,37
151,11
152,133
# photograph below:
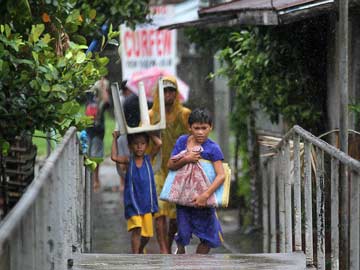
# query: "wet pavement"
279,261
111,242
109,225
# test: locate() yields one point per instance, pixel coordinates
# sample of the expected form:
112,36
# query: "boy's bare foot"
202,249
180,250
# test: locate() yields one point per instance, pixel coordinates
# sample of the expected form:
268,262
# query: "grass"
109,128
39,138
40,141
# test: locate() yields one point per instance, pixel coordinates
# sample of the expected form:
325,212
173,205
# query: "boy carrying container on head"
198,219
140,199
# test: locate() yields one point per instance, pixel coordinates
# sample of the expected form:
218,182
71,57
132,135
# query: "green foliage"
80,19
122,11
210,39
88,162
39,138
354,107
39,89
277,69
43,65
266,69
4,146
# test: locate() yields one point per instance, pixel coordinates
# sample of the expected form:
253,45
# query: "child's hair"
200,115
131,110
132,137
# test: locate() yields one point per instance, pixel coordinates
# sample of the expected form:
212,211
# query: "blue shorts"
201,222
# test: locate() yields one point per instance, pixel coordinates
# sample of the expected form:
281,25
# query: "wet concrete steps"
111,241
278,261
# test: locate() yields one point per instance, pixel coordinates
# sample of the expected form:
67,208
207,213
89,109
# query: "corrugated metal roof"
248,5
237,5
214,21
283,4
259,12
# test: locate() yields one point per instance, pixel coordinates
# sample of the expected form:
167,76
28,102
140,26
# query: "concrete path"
192,262
109,225
111,241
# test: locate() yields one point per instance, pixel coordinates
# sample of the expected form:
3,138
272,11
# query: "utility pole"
343,76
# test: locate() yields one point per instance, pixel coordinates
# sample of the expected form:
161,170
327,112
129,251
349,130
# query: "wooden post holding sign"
144,111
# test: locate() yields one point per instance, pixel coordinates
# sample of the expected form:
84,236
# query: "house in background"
283,12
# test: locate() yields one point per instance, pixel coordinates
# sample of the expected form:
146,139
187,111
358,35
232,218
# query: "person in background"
199,219
97,102
176,125
140,198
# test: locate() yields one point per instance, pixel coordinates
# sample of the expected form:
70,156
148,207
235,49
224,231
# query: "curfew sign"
147,47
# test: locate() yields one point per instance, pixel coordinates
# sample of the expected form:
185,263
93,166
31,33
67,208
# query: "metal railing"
51,220
289,207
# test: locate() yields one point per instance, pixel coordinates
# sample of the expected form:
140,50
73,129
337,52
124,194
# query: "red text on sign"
147,43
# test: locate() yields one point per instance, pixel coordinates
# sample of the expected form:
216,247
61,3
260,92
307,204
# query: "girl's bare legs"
202,249
135,240
161,233
171,233
143,243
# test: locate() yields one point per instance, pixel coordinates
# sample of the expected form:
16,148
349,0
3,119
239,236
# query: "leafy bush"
277,69
39,89
44,69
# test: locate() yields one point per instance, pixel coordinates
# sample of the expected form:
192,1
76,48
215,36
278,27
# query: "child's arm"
114,151
157,144
201,200
189,157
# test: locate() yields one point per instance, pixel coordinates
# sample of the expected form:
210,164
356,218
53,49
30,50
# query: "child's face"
200,131
138,146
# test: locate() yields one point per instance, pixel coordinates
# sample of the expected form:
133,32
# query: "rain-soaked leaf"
92,14
5,147
79,39
68,55
36,31
80,57
45,87
46,39
58,88
7,30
